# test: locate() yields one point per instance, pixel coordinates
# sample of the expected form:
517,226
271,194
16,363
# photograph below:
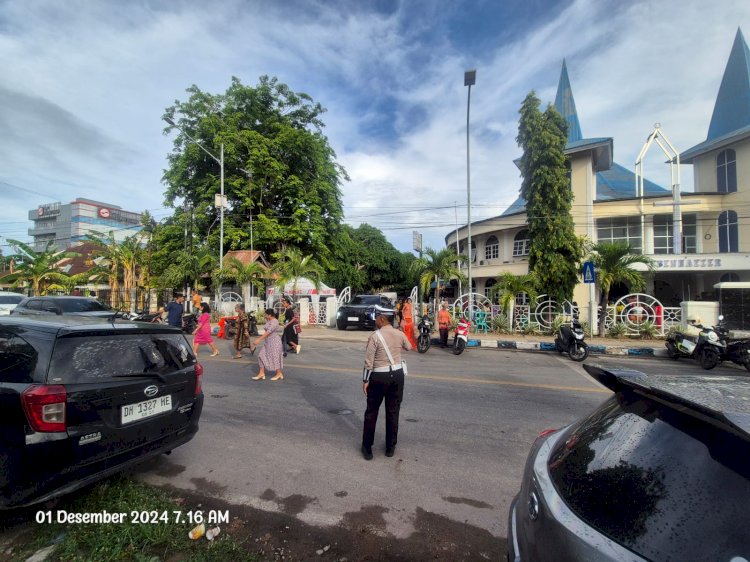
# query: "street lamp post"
470,78
220,161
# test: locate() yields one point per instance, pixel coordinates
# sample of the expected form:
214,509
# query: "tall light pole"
220,161
470,78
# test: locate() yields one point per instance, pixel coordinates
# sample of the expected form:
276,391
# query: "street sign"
416,241
589,273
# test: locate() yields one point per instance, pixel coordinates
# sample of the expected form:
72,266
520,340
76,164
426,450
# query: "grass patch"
141,542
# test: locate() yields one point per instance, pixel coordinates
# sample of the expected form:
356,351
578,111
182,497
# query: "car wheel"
709,359
341,324
578,352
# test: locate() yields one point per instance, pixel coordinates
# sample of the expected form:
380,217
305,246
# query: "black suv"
659,471
82,398
77,306
361,310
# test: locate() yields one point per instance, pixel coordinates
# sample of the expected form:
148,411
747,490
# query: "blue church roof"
731,117
613,181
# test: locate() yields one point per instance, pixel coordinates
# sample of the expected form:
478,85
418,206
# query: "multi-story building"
715,225
66,224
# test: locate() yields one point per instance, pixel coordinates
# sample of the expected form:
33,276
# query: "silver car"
659,471
8,302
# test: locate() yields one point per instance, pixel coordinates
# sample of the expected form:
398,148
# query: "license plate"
146,409
352,318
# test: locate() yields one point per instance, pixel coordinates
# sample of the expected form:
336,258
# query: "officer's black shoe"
389,452
367,453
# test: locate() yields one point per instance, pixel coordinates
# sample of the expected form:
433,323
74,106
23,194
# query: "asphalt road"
467,423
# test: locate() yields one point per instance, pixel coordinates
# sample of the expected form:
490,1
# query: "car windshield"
366,299
85,358
80,305
10,299
664,484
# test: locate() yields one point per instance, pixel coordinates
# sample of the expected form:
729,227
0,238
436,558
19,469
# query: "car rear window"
91,358
664,484
366,299
10,299
18,358
80,305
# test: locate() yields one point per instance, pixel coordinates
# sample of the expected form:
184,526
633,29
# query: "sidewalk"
518,342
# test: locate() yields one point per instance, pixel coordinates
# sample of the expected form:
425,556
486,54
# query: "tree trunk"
605,312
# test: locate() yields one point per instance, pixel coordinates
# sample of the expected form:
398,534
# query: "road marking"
453,379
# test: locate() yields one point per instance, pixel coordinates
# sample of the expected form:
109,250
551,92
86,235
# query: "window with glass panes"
488,287
620,229
664,232
726,171
491,248
521,244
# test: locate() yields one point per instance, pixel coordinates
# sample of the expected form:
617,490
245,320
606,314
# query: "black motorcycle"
569,339
736,350
423,339
151,317
189,323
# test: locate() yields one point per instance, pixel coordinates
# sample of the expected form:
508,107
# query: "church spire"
732,108
566,105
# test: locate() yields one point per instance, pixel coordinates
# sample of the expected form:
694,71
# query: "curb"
593,349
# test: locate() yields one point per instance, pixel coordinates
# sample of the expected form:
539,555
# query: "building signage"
690,263
40,211
104,212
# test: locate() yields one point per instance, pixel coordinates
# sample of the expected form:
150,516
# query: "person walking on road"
242,335
444,323
271,356
291,328
174,311
196,302
407,323
383,378
202,334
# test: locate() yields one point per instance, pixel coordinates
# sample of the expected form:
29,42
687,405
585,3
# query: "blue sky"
84,84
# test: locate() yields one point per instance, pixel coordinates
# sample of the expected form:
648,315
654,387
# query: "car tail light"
45,407
198,377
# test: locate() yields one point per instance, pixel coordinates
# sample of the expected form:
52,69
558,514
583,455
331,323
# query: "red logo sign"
104,213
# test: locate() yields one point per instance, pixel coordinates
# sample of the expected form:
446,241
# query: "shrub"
648,330
557,322
617,330
531,329
500,324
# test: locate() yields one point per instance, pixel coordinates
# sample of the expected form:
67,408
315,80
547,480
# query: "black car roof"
72,324
720,399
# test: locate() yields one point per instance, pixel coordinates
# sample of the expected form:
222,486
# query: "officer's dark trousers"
388,386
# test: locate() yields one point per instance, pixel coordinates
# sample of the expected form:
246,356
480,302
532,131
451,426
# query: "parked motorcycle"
424,328
189,323
151,317
569,339
462,335
707,348
737,351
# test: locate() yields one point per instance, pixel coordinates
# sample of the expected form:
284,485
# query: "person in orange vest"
444,323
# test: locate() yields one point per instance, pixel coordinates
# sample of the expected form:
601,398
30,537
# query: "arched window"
730,278
728,232
488,286
491,248
726,171
521,244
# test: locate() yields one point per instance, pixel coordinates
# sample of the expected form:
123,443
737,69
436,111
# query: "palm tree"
436,265
508,286
38,269
251,274
291,265
613,262
108,258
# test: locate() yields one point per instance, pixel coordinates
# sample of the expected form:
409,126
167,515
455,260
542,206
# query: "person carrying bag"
383,379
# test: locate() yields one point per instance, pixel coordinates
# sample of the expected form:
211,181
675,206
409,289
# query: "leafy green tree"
37,269
275,134
188,268
556,252
508,286
613,263
290,265
437,265
246,274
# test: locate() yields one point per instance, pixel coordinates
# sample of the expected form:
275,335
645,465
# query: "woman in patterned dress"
242,335
271,356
